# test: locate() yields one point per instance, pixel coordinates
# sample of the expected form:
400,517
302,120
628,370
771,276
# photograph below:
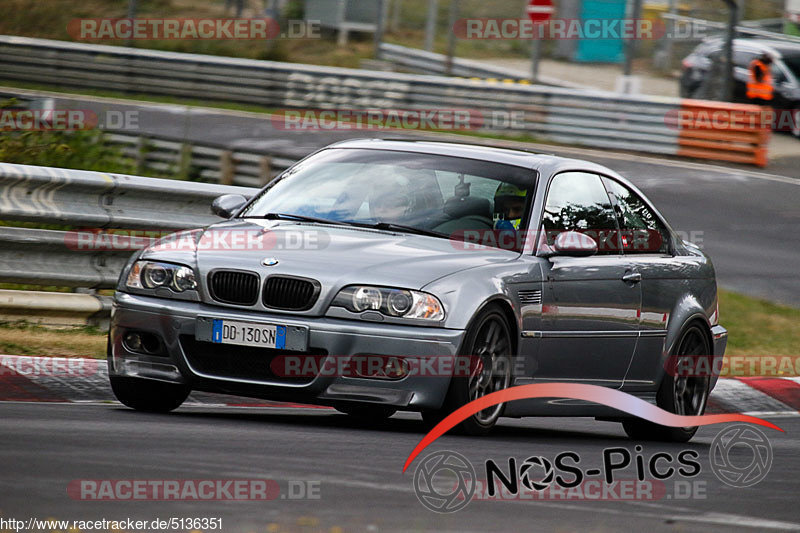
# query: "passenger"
509,205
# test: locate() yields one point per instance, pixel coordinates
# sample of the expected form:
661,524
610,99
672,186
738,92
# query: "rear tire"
488,339
683,395
149,395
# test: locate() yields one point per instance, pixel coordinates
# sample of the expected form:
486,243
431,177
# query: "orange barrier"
738,133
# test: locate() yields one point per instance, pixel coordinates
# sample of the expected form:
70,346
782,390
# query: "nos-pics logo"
445,481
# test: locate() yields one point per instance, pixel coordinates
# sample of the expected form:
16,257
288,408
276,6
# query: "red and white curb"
76,380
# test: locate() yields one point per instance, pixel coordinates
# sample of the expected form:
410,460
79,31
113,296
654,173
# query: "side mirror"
226,205
574,243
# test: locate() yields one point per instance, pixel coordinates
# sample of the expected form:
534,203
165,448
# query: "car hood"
334,255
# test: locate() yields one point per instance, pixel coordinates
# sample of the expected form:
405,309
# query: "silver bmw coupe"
378,275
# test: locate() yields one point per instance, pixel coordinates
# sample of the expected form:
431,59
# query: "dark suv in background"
702,72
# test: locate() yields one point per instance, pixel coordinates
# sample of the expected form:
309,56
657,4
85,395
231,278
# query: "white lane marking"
773,414
718,518
589,152
739,520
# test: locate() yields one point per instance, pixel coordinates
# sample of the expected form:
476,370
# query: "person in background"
759,83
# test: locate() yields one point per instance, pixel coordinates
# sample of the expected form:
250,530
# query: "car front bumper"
174,323
720,340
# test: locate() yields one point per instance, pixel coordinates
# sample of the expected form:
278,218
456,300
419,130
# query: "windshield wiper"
301,218
386,226
391,226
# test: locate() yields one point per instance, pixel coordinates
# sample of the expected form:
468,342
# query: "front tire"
148,395
488,341
682,395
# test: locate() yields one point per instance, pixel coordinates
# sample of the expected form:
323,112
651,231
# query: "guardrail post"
141,154
451,37
264,170
227,167
184,161
430,24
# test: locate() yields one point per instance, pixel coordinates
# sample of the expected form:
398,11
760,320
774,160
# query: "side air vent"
532,297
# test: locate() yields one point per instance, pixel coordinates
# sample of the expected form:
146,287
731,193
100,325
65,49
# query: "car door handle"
632,277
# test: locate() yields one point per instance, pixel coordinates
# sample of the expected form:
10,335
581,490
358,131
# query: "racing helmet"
505,198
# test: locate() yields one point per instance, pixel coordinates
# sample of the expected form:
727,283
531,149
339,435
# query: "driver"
509,205
390,201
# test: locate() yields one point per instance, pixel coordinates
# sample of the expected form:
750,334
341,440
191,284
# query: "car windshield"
437,195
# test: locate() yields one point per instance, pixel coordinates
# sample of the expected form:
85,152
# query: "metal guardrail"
45,257
199,162
425,62
100,200
55,308
82,199
593,118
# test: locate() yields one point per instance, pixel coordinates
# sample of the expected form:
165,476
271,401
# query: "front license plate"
248,334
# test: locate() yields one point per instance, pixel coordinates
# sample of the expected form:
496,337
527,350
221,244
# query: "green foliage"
758,327
294,10
80,150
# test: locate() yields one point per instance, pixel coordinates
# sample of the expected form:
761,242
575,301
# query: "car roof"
544,163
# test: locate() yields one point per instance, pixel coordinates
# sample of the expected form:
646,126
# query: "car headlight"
154,274
399,303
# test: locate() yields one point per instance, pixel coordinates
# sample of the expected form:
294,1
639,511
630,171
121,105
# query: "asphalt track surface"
747,221
358,469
